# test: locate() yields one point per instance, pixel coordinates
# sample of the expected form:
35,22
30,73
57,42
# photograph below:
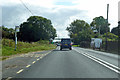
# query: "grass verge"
8,47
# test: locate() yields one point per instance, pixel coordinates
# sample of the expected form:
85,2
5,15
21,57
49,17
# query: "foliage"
80,31
8,46
36,28
100,22
7,33
115,30
110,37
0,32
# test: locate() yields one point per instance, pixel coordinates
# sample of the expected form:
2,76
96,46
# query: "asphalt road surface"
76,63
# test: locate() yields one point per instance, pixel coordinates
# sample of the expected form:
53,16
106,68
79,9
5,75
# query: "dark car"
66,43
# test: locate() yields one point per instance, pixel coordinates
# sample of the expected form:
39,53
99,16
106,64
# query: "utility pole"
15,40
99,29
100,25
106,27
16,30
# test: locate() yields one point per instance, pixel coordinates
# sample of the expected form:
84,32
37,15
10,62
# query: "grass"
76,45
8,47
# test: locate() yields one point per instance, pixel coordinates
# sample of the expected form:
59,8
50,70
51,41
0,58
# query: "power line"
26,7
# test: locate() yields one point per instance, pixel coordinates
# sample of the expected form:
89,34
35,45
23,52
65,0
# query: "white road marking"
37,56
33,62
28,66
38,59
9,78
19,71
102,62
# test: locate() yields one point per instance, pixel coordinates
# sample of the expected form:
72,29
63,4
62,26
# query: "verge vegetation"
8,46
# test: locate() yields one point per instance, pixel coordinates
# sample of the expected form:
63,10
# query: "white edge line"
104,64
100,62
104,61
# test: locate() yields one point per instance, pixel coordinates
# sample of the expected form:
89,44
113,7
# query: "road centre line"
100,62
38,59
28,66
38,56
20,71
9,78
34,62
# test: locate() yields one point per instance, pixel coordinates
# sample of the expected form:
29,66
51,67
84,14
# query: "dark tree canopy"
36,28
115,30
100,22
7,33
80,31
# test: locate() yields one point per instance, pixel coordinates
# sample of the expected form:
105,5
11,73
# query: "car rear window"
65,40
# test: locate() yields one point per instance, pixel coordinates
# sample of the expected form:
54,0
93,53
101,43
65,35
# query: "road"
69,64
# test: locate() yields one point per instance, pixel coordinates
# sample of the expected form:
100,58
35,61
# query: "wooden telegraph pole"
106,28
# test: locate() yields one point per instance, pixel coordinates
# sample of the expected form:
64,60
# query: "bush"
8,47
110,37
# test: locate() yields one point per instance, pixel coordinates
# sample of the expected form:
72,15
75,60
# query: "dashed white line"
19,71
33,62
37,56
103,64
28,66
9,78
38,59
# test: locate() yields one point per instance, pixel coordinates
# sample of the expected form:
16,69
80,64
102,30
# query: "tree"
115,30
80,31
110,36
36,28
100,22
7,33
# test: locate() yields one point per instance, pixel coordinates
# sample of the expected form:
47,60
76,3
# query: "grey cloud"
15,15
61,16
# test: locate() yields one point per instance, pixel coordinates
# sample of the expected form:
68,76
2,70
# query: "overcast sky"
60,12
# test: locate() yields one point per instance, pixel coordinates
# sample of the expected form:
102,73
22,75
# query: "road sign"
17,28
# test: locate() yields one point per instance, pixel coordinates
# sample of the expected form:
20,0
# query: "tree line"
80,31
34,29
39,28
